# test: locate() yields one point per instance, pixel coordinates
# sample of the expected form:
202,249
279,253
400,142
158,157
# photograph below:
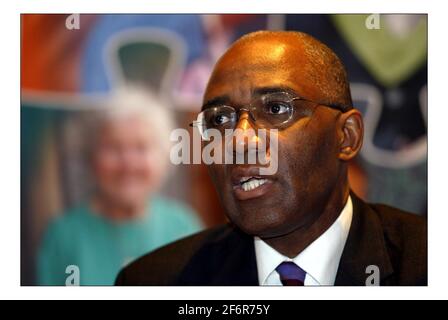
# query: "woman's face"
127,163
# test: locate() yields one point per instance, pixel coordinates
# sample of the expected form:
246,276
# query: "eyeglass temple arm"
195,123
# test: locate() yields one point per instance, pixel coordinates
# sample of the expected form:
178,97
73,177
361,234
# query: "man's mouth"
251,183
248,184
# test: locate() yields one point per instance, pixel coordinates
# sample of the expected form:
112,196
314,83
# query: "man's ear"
351,129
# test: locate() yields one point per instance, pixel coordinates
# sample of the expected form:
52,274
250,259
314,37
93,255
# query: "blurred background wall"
64,73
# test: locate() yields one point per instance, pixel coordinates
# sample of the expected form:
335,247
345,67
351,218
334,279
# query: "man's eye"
220,119
277,108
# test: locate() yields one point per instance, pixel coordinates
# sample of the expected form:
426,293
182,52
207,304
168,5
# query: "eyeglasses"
269,111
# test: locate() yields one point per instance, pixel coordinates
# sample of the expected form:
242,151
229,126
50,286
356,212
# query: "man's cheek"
216,173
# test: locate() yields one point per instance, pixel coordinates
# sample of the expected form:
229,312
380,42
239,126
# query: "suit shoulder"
406,237
162,266
401,223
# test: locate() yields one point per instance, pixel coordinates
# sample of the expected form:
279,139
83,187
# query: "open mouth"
246,185
251,183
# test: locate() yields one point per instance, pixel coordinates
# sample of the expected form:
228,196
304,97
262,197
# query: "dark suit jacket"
380,235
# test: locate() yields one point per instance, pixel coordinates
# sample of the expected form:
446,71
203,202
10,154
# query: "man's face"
308,164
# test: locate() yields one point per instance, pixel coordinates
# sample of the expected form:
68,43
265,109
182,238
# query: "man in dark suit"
301,225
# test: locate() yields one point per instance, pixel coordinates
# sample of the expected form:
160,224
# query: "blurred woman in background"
124,218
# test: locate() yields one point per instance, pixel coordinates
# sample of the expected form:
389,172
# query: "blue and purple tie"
291,274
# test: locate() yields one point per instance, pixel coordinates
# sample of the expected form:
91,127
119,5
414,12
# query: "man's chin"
263,229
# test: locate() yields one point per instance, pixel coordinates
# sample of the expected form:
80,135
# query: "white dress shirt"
320,260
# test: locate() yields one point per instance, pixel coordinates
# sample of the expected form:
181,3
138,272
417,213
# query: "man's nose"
245,138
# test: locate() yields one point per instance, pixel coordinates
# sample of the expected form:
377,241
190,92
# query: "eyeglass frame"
199,124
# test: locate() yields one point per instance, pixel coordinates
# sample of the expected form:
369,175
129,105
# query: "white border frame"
10,138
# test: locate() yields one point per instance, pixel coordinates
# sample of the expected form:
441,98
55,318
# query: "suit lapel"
365,247
239,266
225,259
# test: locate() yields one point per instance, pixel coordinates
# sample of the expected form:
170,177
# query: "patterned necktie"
291,274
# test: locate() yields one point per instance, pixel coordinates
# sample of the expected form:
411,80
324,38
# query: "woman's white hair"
134,101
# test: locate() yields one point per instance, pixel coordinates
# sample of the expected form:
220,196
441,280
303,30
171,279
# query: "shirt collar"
320,259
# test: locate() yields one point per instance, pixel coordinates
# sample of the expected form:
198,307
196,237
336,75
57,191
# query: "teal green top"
100,248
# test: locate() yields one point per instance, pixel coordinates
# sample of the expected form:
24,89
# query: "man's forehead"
241,83
260,55
244,62
247,73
